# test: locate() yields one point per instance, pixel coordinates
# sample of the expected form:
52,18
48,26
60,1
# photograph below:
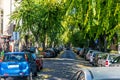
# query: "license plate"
13,66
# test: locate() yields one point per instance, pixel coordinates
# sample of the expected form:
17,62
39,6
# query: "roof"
105,72
15,53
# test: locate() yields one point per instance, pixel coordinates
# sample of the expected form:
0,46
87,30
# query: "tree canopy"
63,21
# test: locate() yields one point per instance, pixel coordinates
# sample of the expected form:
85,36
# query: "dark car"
106,59
77,50
115,62
18,64
48,53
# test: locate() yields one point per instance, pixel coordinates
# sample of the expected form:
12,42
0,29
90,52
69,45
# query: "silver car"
92,56
88,54
98,73
106,59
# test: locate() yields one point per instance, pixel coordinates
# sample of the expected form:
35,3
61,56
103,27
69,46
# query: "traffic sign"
16,35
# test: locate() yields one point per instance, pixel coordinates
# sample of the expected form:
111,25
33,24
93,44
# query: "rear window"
104,56
112,57
117,60
91,51
14,57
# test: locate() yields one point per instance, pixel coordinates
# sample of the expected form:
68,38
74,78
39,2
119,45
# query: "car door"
32,62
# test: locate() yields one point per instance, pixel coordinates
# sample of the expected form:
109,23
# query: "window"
117,60
79,76
14,57
76,76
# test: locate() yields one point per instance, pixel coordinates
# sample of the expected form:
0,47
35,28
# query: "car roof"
16,52
105,72
115,54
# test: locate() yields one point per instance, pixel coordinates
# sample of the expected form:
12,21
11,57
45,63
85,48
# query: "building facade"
6,27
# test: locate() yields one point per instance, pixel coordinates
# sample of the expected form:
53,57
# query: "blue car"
18,64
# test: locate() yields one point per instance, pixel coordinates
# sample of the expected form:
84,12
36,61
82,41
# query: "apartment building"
6,28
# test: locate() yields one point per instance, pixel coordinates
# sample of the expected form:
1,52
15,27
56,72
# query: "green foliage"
77,39
96,17
65,20
40,18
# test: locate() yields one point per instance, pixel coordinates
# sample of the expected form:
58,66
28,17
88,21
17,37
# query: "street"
63,67
54,39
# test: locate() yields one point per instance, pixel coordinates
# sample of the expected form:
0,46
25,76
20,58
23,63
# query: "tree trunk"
105,43
44,42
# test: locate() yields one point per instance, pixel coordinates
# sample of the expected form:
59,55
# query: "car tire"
38,68
41,67
35,74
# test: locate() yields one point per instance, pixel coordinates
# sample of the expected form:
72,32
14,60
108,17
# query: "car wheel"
41,67
35,74
38,69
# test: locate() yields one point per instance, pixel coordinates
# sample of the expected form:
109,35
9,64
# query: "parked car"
85,52
106,59
56,51
39,61
98,73
81,52
88,55
43,54
97,57
92,57
18,64
77,50
115,62
49,53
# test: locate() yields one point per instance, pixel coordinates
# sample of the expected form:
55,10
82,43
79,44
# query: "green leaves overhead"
60,19
39,17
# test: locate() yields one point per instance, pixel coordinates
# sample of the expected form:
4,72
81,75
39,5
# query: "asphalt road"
63,67
68,54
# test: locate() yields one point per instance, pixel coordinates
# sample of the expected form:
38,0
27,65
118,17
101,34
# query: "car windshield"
14,57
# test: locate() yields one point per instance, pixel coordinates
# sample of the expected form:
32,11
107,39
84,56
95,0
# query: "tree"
39,18
53,21
96,18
